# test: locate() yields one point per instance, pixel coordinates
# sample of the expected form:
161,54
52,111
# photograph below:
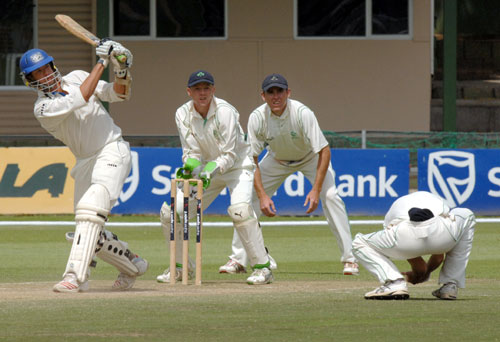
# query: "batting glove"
103,51
119,50
209,171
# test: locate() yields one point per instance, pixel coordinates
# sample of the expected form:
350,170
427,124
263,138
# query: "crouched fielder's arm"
266,203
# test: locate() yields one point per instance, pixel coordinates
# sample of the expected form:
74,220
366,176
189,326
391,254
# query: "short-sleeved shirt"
292,136
85,127
218,138
420,199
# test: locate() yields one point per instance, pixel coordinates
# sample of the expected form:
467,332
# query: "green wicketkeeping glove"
209,171
191,169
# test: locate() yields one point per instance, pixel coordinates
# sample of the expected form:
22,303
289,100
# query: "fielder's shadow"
439,300
308,273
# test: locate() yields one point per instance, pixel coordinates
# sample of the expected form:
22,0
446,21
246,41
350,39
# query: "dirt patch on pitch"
147,288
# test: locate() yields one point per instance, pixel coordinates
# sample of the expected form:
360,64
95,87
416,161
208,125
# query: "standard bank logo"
451,175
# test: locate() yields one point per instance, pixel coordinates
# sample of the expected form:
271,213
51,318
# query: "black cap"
200,76
274,80
420,214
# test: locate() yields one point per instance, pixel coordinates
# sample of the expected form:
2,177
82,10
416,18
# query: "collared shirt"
218,138
289,137
85,127
419,199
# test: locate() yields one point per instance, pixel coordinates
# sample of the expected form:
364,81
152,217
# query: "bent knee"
241,212
358,242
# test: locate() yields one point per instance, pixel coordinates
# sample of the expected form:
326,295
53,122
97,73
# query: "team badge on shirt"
217,135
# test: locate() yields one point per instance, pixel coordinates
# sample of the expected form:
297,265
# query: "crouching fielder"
215,150
70,109
418,224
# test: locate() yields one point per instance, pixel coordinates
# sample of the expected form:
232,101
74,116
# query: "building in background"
360,64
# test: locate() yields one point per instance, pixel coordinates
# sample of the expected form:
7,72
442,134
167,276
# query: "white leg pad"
117,254
246,223
83,248
91,213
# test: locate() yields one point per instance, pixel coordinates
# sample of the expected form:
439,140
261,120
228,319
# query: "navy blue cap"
274,80
200,76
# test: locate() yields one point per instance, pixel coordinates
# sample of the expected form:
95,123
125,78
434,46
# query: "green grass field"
310,299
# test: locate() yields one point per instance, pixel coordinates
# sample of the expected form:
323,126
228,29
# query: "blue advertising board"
368,181
468,178
149,182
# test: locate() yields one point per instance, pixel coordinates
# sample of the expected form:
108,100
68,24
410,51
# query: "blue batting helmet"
34,59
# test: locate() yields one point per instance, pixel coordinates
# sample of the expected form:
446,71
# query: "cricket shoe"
261,276
70,284
165,277
232,267
448,291
392,289
351,268
124,281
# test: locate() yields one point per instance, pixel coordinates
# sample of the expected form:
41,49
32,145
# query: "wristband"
104,62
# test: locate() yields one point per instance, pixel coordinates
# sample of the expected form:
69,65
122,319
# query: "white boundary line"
212,224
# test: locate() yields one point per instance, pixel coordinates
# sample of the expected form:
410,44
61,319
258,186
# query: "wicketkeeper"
215,150
70,109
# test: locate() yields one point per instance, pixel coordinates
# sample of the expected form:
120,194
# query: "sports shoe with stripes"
351,268
125,281
232,267
396,289
165,277
448,291
260,276
70,284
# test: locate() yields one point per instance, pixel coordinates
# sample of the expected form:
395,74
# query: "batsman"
215,150
70,109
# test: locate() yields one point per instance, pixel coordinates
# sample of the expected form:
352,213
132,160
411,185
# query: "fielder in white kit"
418,224
215,150
70,109
294,141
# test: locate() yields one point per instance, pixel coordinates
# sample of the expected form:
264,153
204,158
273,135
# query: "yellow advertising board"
36,180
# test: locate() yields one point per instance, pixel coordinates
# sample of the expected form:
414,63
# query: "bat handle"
121,58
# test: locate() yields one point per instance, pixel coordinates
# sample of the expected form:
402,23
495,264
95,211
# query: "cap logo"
274,78
200,74
37,57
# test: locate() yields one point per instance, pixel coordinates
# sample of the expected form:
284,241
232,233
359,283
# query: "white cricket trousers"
452,235
240,184
273,174
109,167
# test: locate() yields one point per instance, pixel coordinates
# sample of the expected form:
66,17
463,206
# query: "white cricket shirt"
85,127
290,137
218,138
419,199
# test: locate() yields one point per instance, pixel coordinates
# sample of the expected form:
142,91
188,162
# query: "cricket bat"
81,32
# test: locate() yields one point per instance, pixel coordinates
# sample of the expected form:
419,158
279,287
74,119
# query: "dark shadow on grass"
440,300
321,273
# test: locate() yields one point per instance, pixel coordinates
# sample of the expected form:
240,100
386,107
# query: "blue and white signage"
368,181
464,178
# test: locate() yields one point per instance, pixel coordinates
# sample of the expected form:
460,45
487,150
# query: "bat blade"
77,30
81,32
